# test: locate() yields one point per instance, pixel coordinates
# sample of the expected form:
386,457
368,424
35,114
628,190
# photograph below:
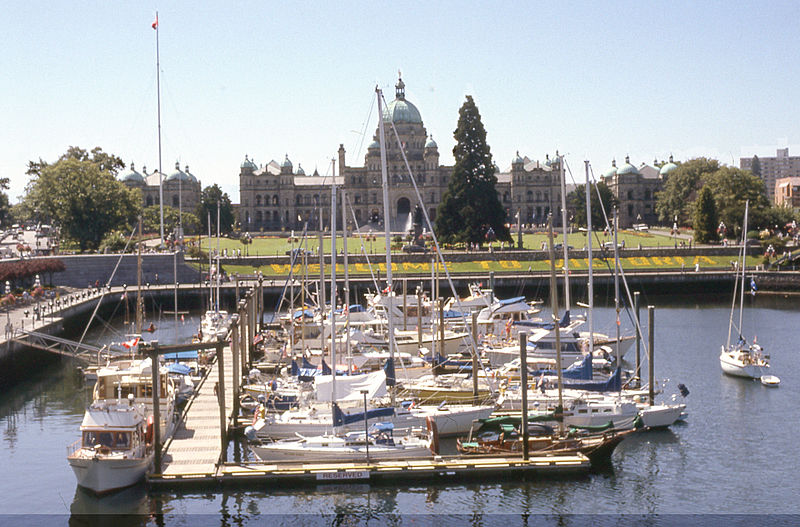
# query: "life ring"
433,432
148,433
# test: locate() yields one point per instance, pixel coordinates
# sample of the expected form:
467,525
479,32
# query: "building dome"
179,175
191,176
248,163
627,168
133,176
611,172
431,143
400,110
286,163
665,170
300,171
517,160
374,145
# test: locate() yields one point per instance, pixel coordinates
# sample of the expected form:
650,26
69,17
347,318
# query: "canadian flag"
155,24
131,343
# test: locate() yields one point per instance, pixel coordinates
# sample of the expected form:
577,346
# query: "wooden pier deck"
195,446
436,469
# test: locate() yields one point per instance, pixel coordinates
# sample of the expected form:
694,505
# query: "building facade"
635,190
181,188
773,168
787,192
276,197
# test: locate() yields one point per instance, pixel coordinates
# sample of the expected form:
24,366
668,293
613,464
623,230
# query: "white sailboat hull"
732,364
661,415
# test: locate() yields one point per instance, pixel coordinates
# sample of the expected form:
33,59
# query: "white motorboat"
661,415
134,377
214,325
113,452
379,445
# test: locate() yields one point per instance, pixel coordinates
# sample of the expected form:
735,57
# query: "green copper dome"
133,176
179,175
400,110
627,168
431,143
248,163
611,172
286,163
669,167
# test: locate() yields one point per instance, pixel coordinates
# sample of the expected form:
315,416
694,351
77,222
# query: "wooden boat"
501,436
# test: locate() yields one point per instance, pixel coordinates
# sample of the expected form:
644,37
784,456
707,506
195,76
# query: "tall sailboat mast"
387,233
589,255
158,97
564,228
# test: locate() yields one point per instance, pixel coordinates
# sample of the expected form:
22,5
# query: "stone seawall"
82,270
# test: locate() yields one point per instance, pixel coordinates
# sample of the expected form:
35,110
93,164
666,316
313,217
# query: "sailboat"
741,359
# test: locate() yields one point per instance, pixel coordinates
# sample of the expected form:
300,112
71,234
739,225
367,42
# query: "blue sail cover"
582,371
613,384
305,373
180,369
340,418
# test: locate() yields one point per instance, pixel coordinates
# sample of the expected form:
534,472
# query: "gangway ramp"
58,345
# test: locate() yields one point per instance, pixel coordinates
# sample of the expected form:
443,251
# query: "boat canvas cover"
613,384
180,369
581,371
348,388
100,418
564,322
340,418
181,355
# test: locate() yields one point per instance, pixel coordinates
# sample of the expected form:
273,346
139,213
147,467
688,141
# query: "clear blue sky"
596,80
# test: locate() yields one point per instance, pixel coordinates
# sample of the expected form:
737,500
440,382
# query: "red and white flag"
155,24
131,343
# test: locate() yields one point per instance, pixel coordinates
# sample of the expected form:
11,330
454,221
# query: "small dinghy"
770,380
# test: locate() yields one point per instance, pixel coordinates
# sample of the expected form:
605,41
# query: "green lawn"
274,245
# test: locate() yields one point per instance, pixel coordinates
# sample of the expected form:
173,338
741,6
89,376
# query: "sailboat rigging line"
290,278
363,247
470,337
363,133
622,276
103,294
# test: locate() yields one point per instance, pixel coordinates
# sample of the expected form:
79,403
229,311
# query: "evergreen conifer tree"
470,207
705,217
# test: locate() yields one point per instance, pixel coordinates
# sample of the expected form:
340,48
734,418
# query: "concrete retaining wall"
83,270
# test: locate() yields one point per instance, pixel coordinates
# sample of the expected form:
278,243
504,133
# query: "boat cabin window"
108,439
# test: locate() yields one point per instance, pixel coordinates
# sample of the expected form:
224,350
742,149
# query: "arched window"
258,200
530,195
538,195
316,199
275,200
505,197
258,216
298,200
308,200
175,200
647,194
630,194
149,201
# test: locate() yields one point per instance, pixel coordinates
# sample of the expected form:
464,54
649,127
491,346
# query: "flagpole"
160,173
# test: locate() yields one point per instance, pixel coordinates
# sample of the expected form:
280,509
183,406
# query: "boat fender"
148,434
433,432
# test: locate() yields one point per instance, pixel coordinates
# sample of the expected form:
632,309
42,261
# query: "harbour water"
735,454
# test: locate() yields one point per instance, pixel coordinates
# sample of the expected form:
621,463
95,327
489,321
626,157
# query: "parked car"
413,248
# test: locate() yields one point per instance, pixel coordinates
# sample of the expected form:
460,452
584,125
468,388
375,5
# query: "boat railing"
74,447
